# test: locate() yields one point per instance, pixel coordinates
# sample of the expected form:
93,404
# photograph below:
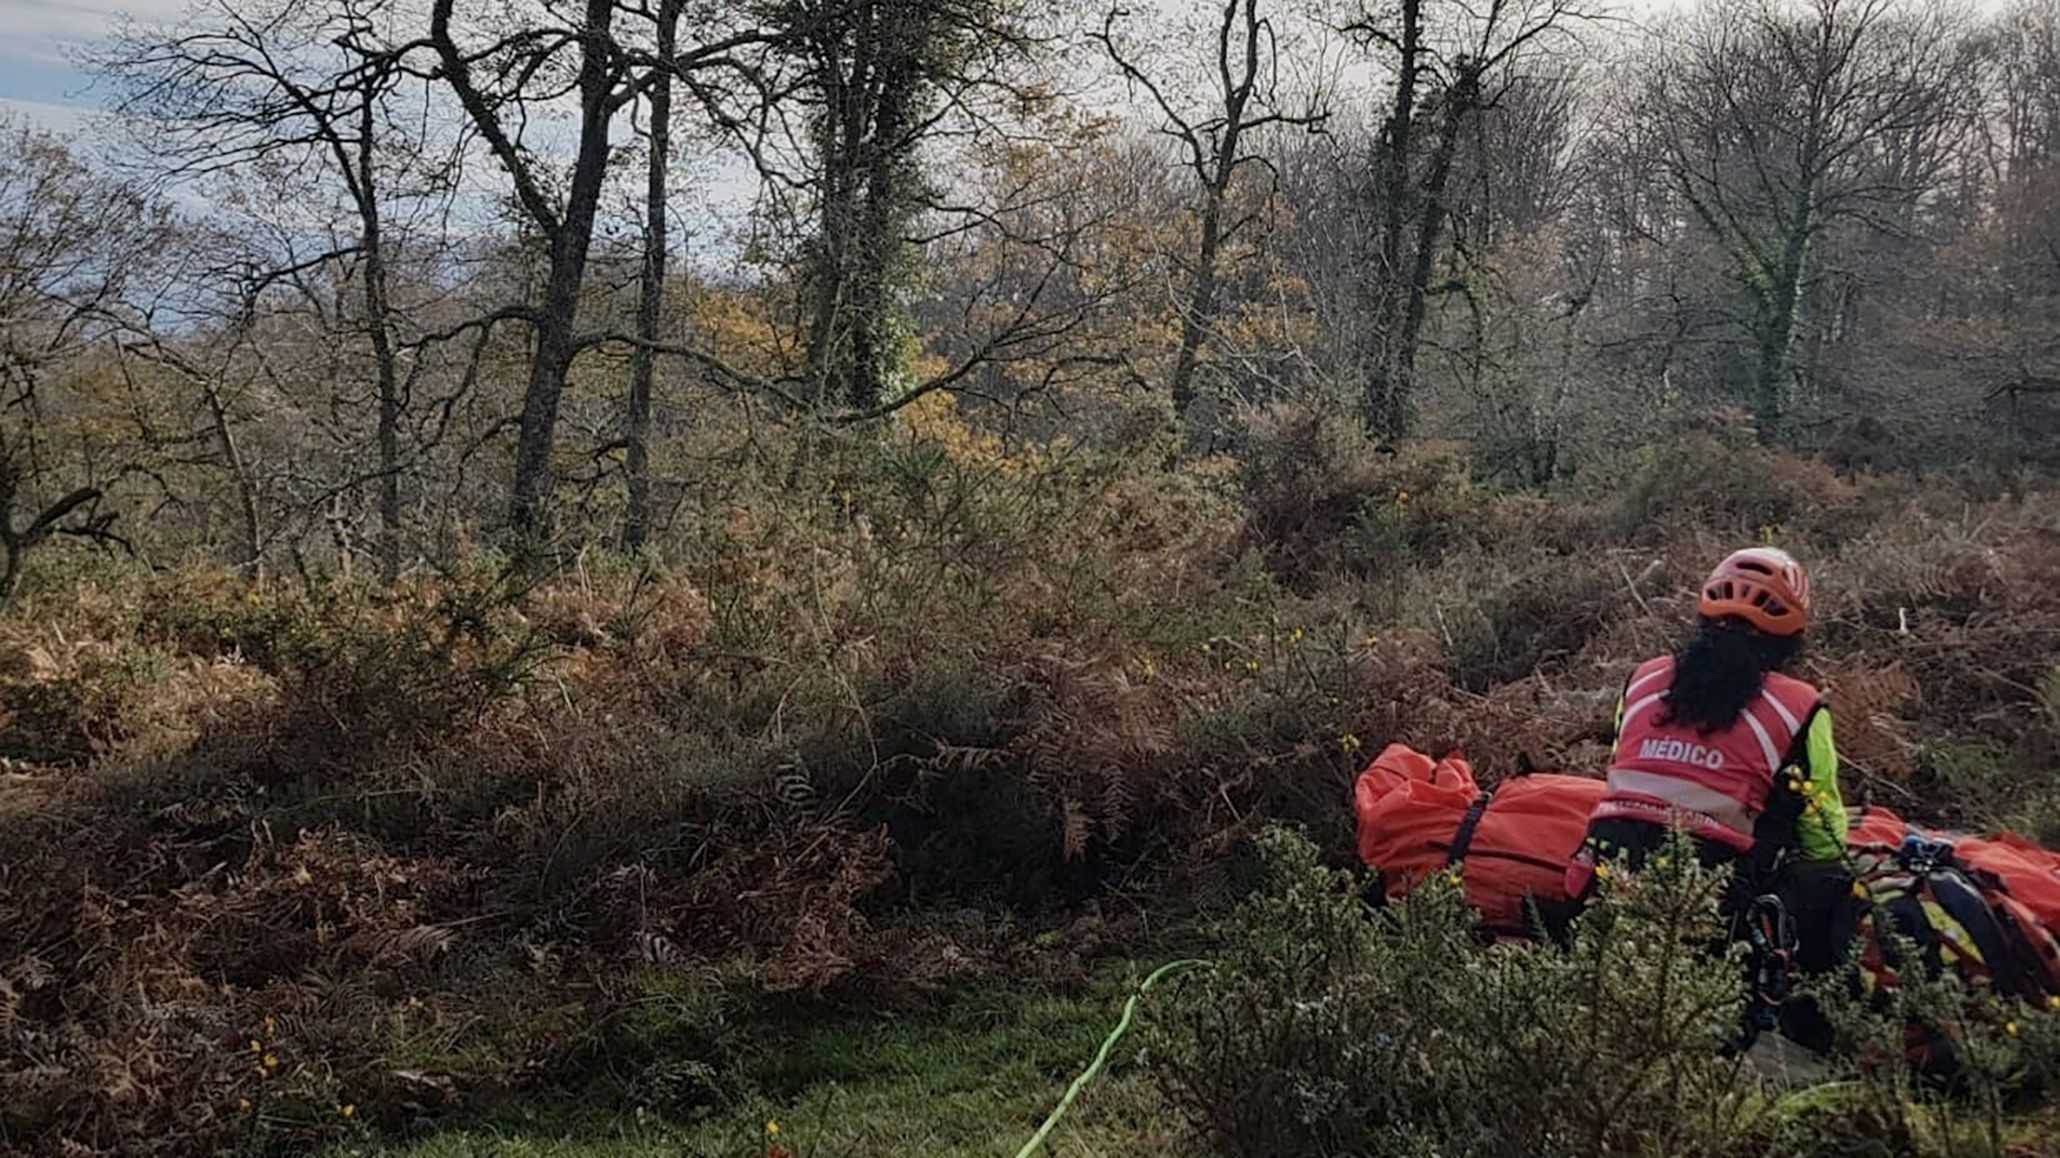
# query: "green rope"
1101,1056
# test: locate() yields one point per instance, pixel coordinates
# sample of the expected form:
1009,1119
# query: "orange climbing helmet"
1764,586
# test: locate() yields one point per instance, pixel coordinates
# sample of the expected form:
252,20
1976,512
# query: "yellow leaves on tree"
740,327
936,419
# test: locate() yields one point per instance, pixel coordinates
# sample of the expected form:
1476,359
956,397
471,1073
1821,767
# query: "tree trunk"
246,487
1386,402
1460,102
1200,315
847,94
636,522
10,540
389,431
870,68
378,319
827,273
555,337
1199,318
874,334
1778,320
15,544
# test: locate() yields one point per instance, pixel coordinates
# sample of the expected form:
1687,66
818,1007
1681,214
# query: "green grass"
971,1073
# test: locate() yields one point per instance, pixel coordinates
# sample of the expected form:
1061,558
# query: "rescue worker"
1719,741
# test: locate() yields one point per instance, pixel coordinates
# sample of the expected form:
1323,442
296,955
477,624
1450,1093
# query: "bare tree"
1973,332
1517,171
497,98
221,378
2024,125
1775,124
70,241
1449,64
872,82
1508,334
636,524
501,78
240,85
1217,143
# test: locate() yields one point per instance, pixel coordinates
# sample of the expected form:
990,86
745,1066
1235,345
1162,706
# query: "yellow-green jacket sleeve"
1821,828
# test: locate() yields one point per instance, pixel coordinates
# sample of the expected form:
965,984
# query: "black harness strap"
1462,840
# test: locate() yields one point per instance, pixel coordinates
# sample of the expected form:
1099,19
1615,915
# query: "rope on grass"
1101,1056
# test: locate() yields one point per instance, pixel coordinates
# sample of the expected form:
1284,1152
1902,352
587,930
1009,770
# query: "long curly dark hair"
1719,670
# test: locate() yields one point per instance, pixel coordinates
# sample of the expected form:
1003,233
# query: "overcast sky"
39,82
37,78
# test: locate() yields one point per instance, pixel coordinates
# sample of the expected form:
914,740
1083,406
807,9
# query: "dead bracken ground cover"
284,862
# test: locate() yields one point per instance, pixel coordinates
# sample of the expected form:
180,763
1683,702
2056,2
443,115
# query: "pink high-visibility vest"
1714,785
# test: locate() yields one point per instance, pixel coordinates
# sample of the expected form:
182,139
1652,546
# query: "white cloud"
57,21
39,81
64,120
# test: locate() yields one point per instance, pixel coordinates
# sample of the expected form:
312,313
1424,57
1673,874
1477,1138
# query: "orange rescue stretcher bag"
1509,843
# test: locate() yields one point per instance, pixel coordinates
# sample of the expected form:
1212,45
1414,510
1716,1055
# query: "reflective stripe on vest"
1685,795
1715,784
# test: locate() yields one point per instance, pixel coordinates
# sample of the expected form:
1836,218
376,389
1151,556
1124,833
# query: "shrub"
63,705
1323,502
1331,1030
1935,1066
1710,482
932,671
362,676
1508,625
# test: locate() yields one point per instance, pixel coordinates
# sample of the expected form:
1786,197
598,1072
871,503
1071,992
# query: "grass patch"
973,1072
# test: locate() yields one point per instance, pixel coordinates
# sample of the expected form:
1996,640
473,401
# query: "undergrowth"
1329,1028
884,717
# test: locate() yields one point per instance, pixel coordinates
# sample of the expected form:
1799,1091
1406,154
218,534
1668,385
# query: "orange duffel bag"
1509,843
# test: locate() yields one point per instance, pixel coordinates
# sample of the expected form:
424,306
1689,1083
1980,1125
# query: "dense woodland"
608,572
344,287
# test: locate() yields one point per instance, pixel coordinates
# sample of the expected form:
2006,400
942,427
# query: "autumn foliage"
285,861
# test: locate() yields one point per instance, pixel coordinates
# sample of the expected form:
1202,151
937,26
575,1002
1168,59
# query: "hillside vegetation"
587,578
285,862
